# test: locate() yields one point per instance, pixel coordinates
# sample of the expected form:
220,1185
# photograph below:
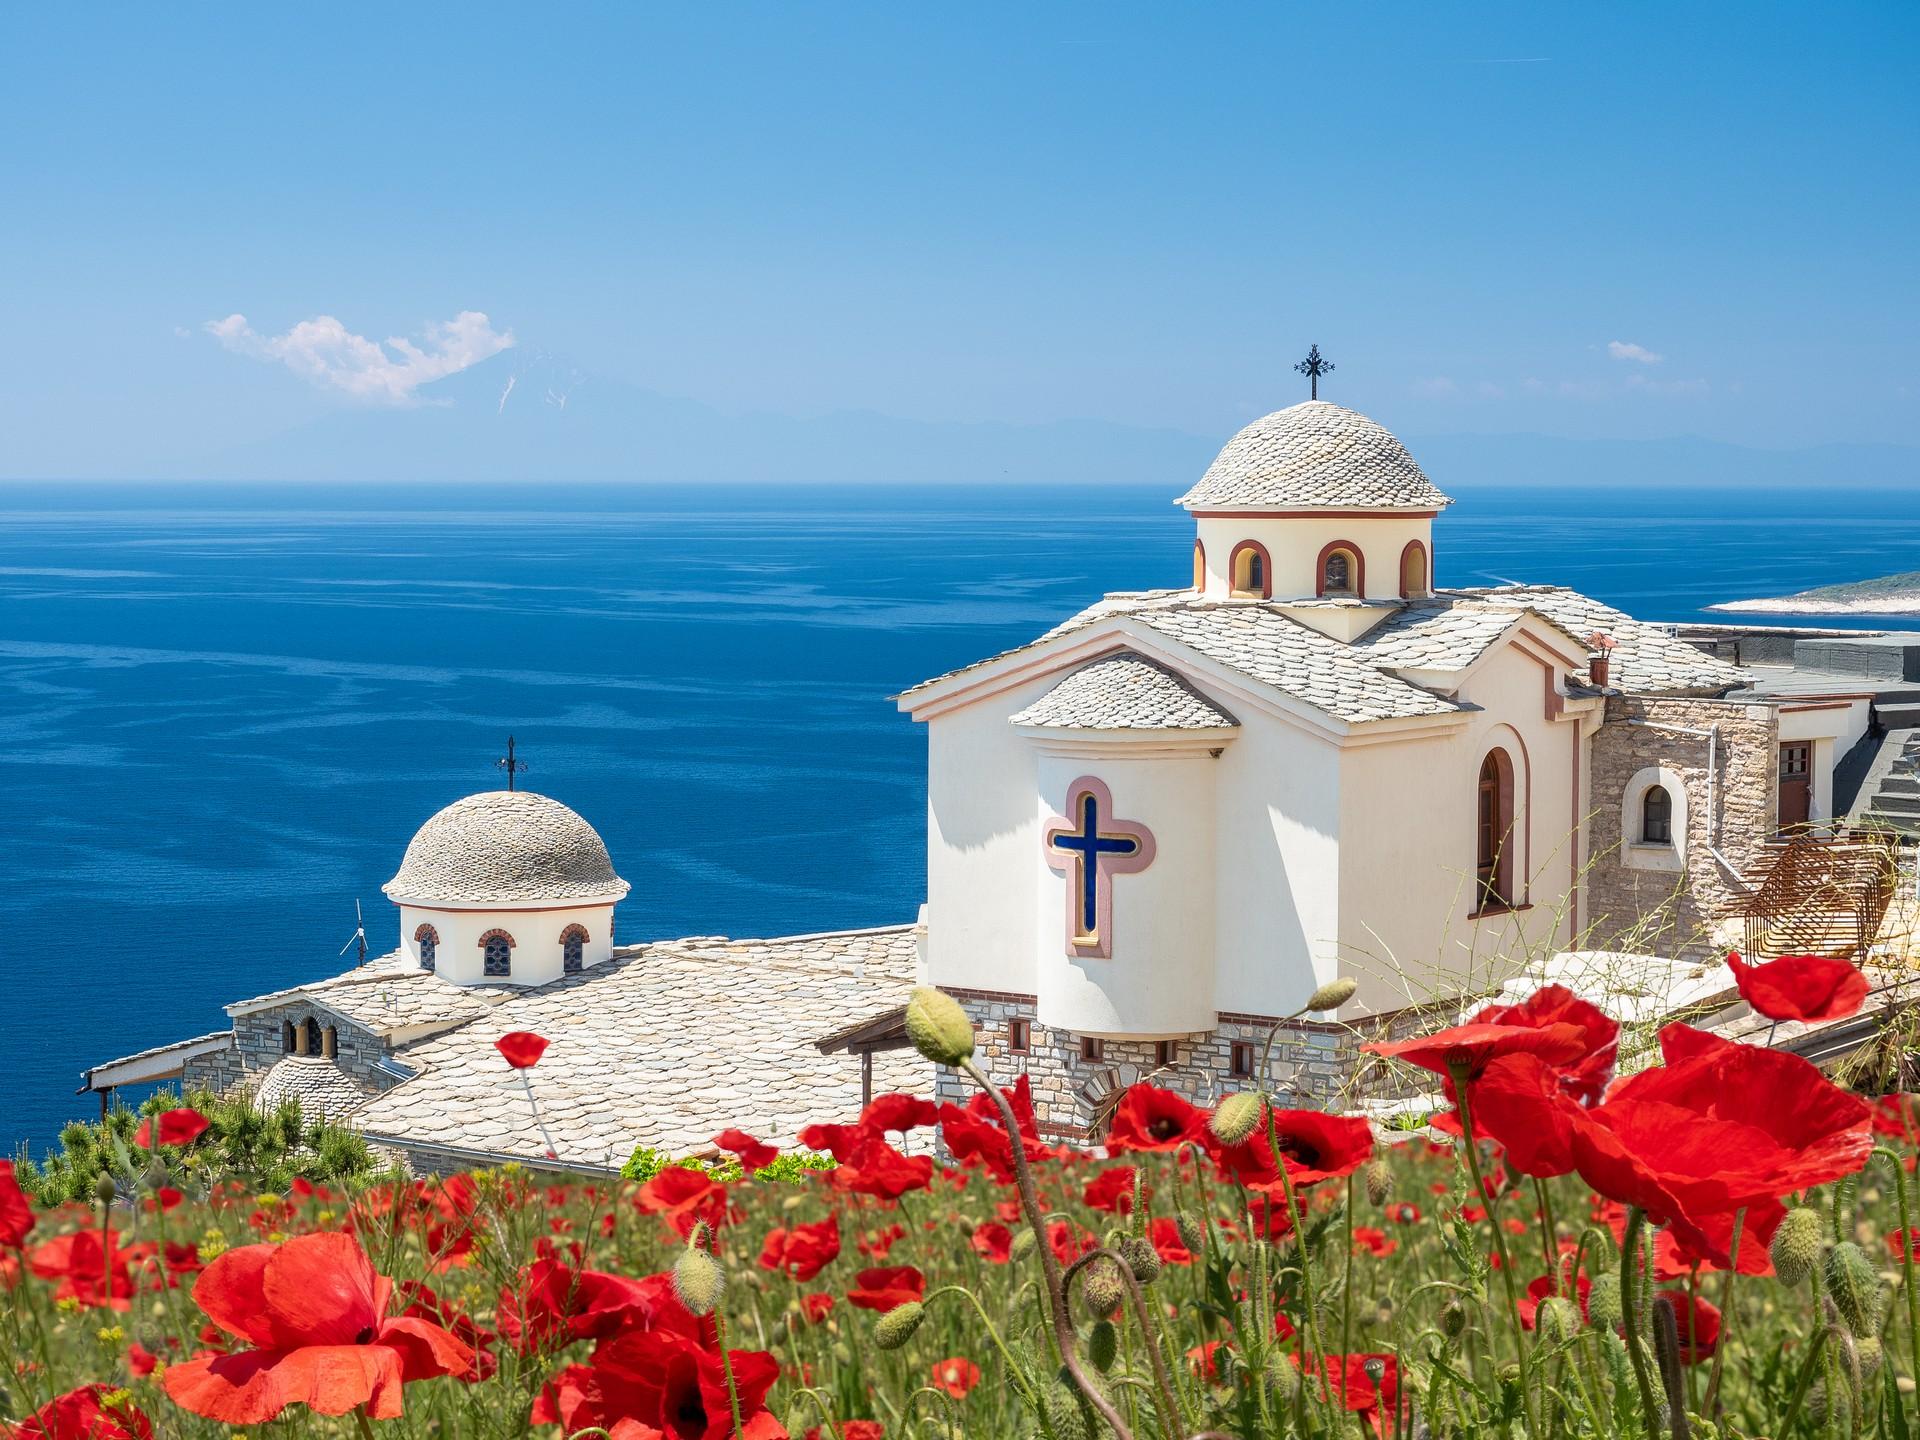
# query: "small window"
288,1042
1092,1049
1240,1063
428,939
1656,816
1336,573
1199,566
1163,1053
1019,1036
313,1046
573,942
1250,571
496,948
1413,571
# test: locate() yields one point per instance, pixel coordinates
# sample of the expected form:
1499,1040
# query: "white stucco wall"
1158,979
536,933
1294,544
1409,809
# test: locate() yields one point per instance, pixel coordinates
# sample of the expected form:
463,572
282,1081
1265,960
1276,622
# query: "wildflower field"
1717,1245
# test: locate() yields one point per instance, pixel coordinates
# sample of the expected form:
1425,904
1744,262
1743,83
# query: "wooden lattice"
1821,897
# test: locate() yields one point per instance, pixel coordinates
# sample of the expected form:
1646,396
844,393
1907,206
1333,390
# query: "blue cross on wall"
1089,850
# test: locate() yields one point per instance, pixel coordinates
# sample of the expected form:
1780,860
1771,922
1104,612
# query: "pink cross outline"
1098,944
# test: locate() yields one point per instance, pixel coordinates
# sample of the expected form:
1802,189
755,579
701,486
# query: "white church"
1152,833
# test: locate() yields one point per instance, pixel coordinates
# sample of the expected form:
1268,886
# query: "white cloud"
1627,350
1436,387
325,352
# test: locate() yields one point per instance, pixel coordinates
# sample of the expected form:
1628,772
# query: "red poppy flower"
16,1212
1729,1127
993,1242
1150,1118
899,1112
177,1127
887,1287
1315,1146
80,1415
875,1168
1204,1359
956,1376
1478,1044
1374,1401
1800,987
878,1242
316,1314
1520,1101
1403,1213
1898,1116
662,1385
521,1049
804,1251
1698,1324
1585,1078
849,1430
754,1155
140,1360
79,1261
1373,1242
684,1197
817,1307
1903,1243
1539,1288
1069,1242
1112,1190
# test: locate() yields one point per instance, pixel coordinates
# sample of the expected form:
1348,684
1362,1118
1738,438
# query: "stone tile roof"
324,1091
1125,691
1436,635
505,846
664,1045
1314,455
1646,659
387,994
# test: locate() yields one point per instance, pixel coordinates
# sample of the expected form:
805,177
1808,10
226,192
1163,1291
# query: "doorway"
1796,784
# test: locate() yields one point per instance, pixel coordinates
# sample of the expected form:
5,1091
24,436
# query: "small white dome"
1314,456
505,847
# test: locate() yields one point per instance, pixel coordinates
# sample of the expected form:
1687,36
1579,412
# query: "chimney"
1597,667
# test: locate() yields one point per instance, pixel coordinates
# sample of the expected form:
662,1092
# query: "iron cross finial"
509,764
1313,367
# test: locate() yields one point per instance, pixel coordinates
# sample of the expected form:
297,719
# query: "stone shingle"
1646,659
505,846
1125,692
1314,455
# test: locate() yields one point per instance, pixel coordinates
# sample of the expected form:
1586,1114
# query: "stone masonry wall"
258,1046
1673,912
1311,1062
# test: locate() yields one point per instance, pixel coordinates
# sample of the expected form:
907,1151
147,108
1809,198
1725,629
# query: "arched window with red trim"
1414,582
428,940
1250,571
573,945
496,948
1341,570
1493,833
1199,565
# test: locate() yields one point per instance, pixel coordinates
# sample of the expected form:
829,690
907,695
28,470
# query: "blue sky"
1620,221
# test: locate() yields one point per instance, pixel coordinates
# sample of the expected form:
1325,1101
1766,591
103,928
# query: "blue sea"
224,710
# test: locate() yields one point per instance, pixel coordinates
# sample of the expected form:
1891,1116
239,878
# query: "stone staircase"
1892,791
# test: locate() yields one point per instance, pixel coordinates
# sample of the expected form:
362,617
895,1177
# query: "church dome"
505,847
1314,456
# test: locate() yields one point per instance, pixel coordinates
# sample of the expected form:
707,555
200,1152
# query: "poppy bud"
1332,995
1193,1234
1103,1345
1604,1310
1066,1413
896,1327
1378,1176
1796,1246
1855,1287
1284,1380
1142,1259
1022,1246
1102,1290
698,1281
1374,1369
1870,1354
938,1027
155,1175
1453,1320
1557,1320
1234,1117
104,1189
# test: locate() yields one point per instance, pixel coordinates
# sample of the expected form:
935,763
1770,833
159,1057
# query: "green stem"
1711,1409
1346,1283
1814,1352
1300,1249
726,1366
1630,1318
1906,1254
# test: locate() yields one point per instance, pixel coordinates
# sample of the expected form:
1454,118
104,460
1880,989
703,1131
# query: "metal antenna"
509,764
359,936
1313,367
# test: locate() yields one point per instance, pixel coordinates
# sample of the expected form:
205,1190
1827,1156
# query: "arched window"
332,1047
1342,571
1656,816
497,953
287,1039
573,941
428,939
1252,571
314,1046
1413,571
1493,833
1199,566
